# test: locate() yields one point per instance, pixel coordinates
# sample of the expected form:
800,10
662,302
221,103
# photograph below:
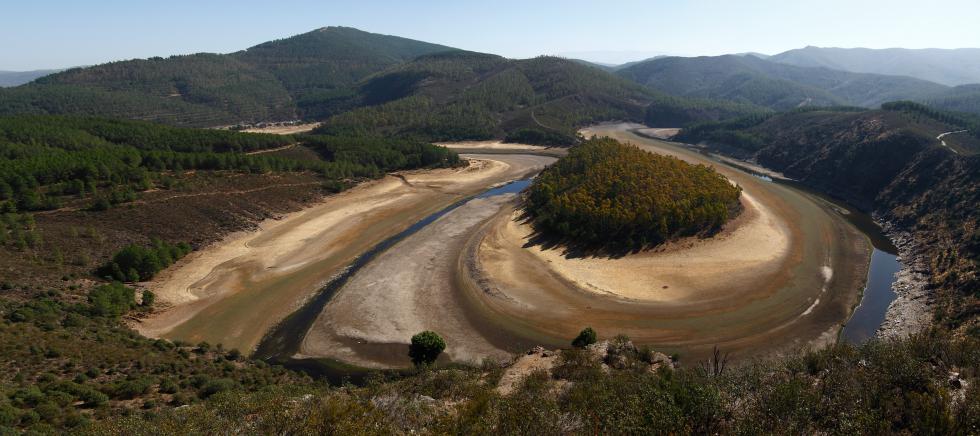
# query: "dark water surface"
878,294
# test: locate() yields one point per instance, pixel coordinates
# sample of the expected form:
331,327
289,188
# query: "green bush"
585,338
134,263
425,348
112,300
217,386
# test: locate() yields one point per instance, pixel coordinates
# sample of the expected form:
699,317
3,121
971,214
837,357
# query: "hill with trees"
466,95
752,80
965,98
278,80
363,82
616,196
946,66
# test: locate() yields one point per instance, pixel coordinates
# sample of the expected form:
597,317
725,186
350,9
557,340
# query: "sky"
38,34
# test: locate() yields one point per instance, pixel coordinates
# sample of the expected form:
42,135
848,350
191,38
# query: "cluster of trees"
540,137
964,98
135,263
44,158
18,231
112,300
616,196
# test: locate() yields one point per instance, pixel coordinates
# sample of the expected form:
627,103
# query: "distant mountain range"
753,80
17,78
352,79
948,67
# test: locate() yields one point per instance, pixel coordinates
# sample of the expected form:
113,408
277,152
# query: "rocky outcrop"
619,354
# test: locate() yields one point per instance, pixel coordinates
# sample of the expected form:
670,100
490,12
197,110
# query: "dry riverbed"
232,292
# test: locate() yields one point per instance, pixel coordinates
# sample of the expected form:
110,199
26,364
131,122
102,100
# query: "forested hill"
318,67
965,98
888,162
386,83
466,95
282,79
749,79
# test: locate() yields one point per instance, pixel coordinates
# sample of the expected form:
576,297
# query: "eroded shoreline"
232,292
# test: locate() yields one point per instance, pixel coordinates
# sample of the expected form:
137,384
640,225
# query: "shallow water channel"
280,344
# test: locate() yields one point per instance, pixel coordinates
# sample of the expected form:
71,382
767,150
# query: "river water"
878,293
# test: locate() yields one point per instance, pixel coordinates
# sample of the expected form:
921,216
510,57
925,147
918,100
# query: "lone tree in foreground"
585,338
425,348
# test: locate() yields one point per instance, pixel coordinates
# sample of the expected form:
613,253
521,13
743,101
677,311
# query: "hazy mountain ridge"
945,66
17,78
749,79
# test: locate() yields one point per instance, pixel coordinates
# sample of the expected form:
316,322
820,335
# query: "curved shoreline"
518,287
234,291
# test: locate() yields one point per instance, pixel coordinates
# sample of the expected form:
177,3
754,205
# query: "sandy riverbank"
784,275
748,253
233,291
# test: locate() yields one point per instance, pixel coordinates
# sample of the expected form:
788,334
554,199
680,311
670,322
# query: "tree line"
44,159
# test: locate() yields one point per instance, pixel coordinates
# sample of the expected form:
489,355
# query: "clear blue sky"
57,33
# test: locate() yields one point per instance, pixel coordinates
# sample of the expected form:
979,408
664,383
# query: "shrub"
135,263
425,348
585,338
217,386
112,300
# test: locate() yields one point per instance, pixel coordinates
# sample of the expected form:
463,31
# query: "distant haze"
16,78
948,67
612,57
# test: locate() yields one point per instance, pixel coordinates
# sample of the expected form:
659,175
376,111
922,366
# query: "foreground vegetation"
604,193
69,365
879,388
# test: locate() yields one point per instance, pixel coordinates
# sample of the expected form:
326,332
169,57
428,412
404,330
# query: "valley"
338,231
474,273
